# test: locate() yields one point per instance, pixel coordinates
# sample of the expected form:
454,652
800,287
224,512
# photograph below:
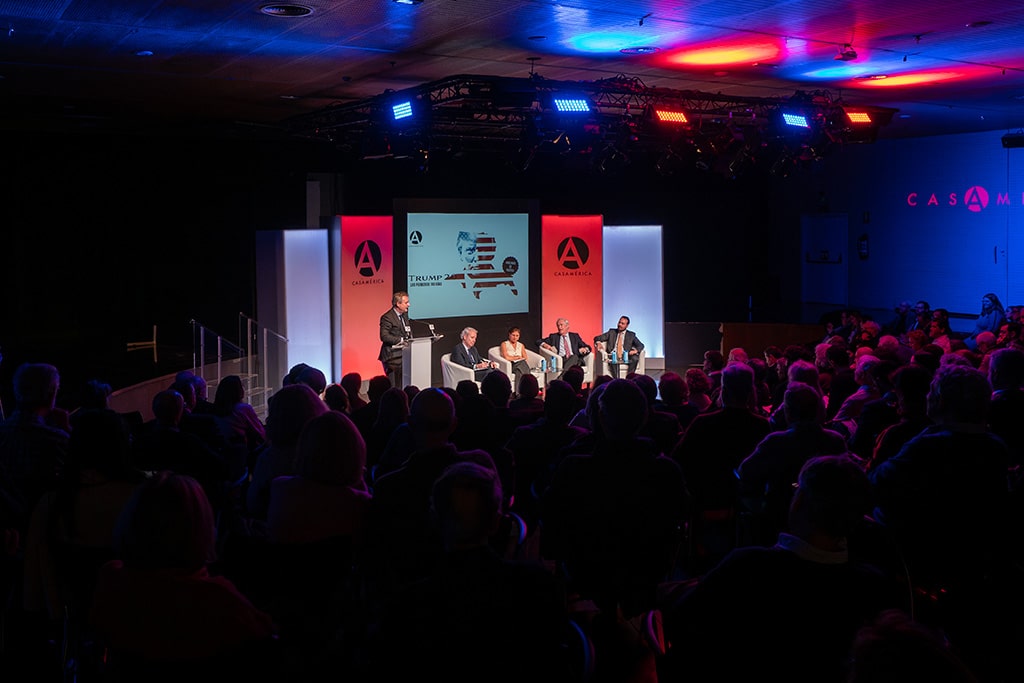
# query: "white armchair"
453,373
588,364
620,370
494,353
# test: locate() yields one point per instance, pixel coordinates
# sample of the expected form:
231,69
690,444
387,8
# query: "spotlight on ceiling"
409,2
846,53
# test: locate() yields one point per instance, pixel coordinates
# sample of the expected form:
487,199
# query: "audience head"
230,392
674,391
925,359
864,370
804,371
622,410
411,390
353,384
832,496
467,388
1006,369
837,356
737,355
529,387
648,386
959,394
894,648
574,376
95,395
985,341
911,383
184,386
314,378
497,388
1009,332
432,416
168,407
560,402
331,450
795,352
802,403
713,361
337,398
166,524
697,381
293,374
290,408
772,354
35,387
888,345
990,302
738,386
376,387
466,502
394,408
917,339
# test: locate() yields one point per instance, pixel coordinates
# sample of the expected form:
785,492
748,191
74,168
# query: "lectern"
416,363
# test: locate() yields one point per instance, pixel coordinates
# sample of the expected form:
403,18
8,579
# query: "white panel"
633,283
307,299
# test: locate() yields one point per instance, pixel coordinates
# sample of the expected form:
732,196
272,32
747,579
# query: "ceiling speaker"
1011,140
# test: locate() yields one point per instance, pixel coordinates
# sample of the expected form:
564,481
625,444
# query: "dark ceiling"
949,66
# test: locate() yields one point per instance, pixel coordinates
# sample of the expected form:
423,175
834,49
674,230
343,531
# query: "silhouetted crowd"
844,510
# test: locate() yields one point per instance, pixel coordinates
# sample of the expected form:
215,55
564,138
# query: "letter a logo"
573,253
976,198
367,259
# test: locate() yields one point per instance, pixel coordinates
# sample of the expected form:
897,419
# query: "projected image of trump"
478,252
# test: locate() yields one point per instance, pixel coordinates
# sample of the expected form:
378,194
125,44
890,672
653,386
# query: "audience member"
290,408
400,536
894,648
353,384
474,611
327,496
991,317
1006,375
660,426
527,406
950,482
611,517
767,476
392,411
337,399
675,395
536,448
910,385
163,445
365,416
157,607
33,441
242,424
789,611
699,385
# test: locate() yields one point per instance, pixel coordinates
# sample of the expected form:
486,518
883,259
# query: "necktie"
618,346
565,345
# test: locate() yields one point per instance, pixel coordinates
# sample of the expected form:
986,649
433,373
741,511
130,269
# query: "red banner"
571,274
367,283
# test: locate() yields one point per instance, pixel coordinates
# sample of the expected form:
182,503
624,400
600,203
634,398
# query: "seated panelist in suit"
621,342
466,354
569,346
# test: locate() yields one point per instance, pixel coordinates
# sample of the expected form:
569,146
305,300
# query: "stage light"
670,116
794,119
571,104
858,117
402,110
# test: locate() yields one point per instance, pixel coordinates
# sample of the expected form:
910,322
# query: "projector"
1012,140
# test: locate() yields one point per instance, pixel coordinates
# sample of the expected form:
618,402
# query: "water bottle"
543,365
615,358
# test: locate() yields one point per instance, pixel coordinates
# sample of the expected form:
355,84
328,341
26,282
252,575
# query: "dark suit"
629,342
392,331
576,346
468,359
